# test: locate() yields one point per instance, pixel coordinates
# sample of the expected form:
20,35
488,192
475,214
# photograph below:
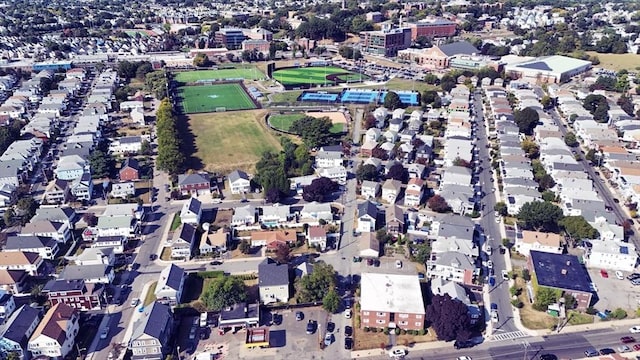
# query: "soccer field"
207,98
312,75
250,73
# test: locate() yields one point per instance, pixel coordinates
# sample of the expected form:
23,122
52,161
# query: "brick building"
391,301
432,27
385,42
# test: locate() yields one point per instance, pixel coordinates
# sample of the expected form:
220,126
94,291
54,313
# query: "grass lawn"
150,297
370,340
532,319
311,75
166,253
284,121
230,141
198,99
577,318
337,128
617,61
249,72
286,96
175,223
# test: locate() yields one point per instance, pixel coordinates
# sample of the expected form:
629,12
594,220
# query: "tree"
26,207
12,356
313,131
461,162
8,217
314,287
578,228
102,164
526,119
501,208
201,60
598,106
398,172
366,172
282,253
531,148
318,188
448,82
392,101
570,139
223,292
348,52
545,296
546,101
420,252
170,158
383,236
90,219
431,79
438,204
331,301
449,318
244,246
272,195
548,195
546,182
540,215
428,96
591,156
145,148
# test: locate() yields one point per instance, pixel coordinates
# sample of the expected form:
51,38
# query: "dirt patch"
531,318
336,117
222,217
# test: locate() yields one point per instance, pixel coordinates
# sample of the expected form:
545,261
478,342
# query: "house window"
379,321
418,316
403,316
418,324
365,313
380,314
365,320
403,322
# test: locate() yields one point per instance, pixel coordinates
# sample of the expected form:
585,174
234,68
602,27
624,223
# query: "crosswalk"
509,336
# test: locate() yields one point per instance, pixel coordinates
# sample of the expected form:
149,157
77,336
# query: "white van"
203,319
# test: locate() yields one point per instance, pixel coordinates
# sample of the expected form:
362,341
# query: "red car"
627,339
636,347
604,273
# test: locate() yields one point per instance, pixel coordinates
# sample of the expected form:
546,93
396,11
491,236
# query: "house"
276,215
390,190
414,192
451,266
273,281
563,272
7,305
71,167
329,156
457,292
194,184
123,190
13,281
75,293
538,241
183,242
244,215
46,247
58,231
82,187
369,245
191,212
16,331
20,260
96,256
55,336
239,316
239,182
317,237
212,242
126,145
391,299
316,211
394,220
91,274
151,333
366,150
116,243
130,170
170,285
372,135
612,255
8,195
460,198
369,189
453,233
57,192
59,214
336,173
118,220
367,217
272,239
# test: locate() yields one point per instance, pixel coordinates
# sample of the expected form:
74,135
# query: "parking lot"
615,293
388,266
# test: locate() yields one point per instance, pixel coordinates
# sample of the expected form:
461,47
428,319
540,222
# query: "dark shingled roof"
270,273
132,163
368,208
561,271
194,205
153,322
459,47
15,329
175,276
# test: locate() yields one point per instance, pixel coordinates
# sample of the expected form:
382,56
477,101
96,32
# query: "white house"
369,189
538,241
239,182
336,173
191,212
328,156
414,192
273,281
71,167
316,211
127,144
123,190
55,335
372,135
451,266
390,190
612,255
367,217
275,215
317,236
244,215
170,285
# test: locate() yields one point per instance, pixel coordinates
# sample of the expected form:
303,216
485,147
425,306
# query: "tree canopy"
438,204
318,188
313,131
170,158
526,119
315,286
570,139
392,101
578,228
224,292
540,215
449,318
366,172
598,106
331,301
398,172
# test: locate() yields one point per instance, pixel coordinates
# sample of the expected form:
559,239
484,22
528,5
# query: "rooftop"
391,293
560,271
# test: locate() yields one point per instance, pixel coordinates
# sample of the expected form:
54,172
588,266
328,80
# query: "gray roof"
187,233
566,166
270,273
367,208
16,327
237,311
458,47
28,242
153,322
238,174
77,272
195,205
519,182
193,179
57,214
174,276
454,258
394,213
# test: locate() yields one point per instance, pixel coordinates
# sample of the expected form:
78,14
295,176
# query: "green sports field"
207,98
250,73
314,75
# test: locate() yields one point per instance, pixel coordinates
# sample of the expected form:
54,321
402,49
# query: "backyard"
229,141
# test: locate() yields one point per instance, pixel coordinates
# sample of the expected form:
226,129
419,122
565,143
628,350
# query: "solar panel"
624,250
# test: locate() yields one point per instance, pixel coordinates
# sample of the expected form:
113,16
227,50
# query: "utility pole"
525,344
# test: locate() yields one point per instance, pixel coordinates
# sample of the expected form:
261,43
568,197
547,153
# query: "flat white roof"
391,293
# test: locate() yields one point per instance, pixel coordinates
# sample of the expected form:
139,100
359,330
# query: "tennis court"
250,73
211,98
359,96
406,97
328,75
319,96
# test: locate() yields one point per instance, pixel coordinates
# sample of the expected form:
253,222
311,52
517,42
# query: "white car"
463,358
397,353
635,329
498,220
490,264
104,333
494,316
398,264
348,314
619,275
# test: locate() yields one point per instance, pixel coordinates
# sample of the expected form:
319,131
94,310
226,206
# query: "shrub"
397,331
591,310
618,313
374,330
403,332
515,291
386,331
367,329
422,332
525,275
517,303
210,274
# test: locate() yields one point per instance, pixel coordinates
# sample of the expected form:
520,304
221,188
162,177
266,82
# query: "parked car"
134,301
104,333
624,349
348,314
398,264
590,352
397,353
463,344
548,357
299,316
348,330
331,326
311,327
627,339
328,339
604,273
348,343
619,275
635,329
607,351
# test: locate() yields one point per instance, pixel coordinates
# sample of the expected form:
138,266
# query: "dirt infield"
336,117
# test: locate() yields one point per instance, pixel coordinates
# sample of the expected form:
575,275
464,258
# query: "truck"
203,319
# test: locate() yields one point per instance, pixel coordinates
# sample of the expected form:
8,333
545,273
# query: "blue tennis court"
359,96
406,97
314,96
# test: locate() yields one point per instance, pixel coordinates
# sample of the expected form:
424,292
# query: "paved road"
500,293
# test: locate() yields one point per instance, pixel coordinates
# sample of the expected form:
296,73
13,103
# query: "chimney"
564,271
568,262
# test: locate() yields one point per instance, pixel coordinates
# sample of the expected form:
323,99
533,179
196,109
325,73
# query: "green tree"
244,246
431,79
102,164
315,286
156,82
501,208
546,101
526,119
420,252
313,131
591,156
366,172
170,158
545,296
26,206
201,60
548,195
578,228
223,292
392,101
331,301
531,148
540,215
570,139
